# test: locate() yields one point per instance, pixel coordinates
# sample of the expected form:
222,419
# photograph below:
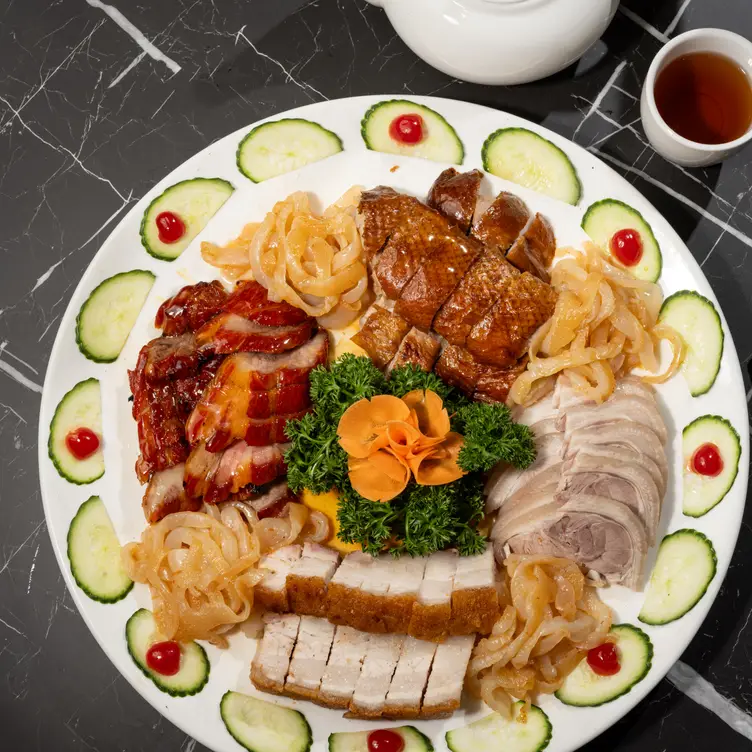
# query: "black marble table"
92,115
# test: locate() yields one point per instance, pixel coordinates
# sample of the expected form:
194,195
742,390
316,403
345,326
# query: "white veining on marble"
31,536
12,628
675,194
31,570
16,375
123,73
156,112
135,34
679,13
306,87
687,680
642,23
4,349
595,104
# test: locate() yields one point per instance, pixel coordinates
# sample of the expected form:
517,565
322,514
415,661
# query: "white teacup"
667,142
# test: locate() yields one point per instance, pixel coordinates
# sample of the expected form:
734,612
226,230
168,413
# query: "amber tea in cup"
705,97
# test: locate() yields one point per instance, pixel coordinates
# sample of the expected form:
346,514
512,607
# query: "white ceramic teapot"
499,41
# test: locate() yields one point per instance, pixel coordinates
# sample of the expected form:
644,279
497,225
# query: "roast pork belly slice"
502,335
381,334
222,414
229,333
628,483
438,273
476,292
271,592
626,434
475,601
432,612
444,689
500,224
534,249
343,667
367,610
308,579
190,308
619,407
403,700
406,576
599,533
165,495
343,592
369,696
272,659
505,480
454,194
417,348
308,662
250,300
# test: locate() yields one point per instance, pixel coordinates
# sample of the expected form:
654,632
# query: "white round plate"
121,493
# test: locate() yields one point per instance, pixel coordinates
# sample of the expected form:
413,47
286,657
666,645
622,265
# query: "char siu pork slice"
629,483
502,335
534,249
250,300
455,194
500,224
272,499
230,333
230,403
166,358
417,348
165,495
599,533
477,291
439,272
190,308
381,334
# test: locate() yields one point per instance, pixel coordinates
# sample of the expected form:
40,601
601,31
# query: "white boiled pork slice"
271,592
444,690
627,482
616,408
376,675
272,659
432,611
506,481
409,681
315,637
599,533
343,667
621,433
308,579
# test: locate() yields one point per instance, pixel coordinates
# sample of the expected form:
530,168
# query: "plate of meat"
393,425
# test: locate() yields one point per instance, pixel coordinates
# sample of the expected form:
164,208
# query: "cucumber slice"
285,145
701,492
605,218
684,567
695,318
440,141
528,159
109,313
141,633
81,407
494,732
584,688
357,741
94,554
195,201
262,726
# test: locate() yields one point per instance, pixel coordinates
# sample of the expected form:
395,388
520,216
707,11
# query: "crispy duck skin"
454,194
190,308
227,406
438,273
501,336
534,249
417,348
381,335
502,222
230,333
249,299
381,211
493,383
478,290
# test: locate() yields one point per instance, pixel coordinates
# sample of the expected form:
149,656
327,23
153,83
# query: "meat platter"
394,410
